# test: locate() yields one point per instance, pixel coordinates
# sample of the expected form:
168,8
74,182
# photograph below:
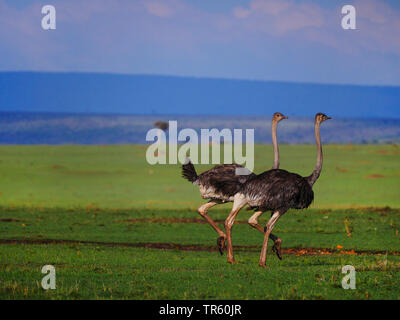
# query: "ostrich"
161,125
277,191
221,183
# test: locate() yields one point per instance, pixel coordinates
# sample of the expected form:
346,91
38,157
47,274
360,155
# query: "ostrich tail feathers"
189,172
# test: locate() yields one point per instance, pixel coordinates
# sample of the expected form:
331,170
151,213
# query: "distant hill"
57,128
151,94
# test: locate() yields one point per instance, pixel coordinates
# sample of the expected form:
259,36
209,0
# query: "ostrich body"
221,183
277,191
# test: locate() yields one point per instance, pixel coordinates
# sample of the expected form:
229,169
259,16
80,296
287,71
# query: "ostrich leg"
238,203
253,221
269,227
203,212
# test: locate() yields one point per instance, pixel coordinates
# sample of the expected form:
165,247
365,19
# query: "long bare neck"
275,144
318,167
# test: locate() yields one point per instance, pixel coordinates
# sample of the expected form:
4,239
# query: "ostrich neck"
275,144
318,167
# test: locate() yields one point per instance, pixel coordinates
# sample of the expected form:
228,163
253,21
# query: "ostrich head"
321,117
278,116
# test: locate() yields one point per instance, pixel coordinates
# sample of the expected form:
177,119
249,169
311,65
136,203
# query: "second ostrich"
277,191
221,183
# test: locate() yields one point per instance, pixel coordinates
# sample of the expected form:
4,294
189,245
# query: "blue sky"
283,40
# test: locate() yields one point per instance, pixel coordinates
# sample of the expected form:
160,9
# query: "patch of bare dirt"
57,166
391,152
364,162
375,176
175,220
9,220
196,247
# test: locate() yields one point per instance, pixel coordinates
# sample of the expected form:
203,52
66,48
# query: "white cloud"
111,35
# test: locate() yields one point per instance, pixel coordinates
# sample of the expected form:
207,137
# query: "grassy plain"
116,227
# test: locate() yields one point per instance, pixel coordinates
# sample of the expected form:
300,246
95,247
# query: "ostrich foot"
262,265
232,261
277,248
221,245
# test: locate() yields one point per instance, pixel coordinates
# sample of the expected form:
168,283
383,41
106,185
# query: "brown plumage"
276,190
221,183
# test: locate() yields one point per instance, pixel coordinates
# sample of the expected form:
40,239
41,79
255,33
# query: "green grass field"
115,227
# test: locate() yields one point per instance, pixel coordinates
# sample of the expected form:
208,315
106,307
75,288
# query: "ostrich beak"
327,118
284,117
